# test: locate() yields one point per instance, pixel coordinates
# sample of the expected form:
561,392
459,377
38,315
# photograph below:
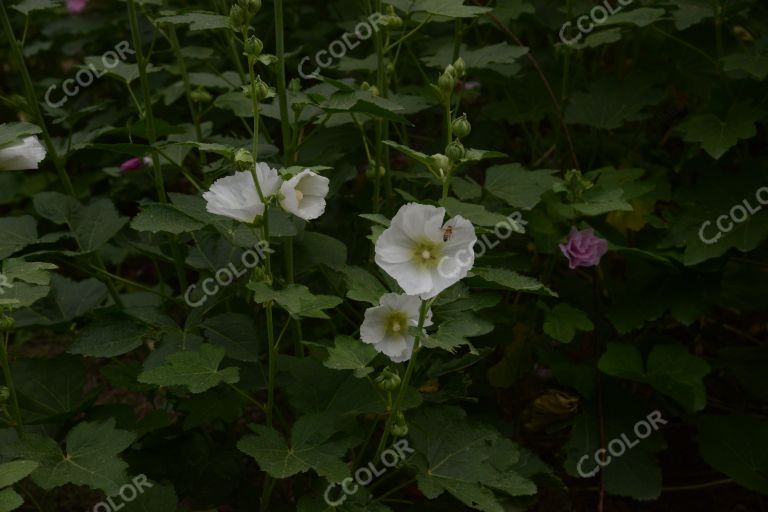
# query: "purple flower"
135,163
583,248
76,6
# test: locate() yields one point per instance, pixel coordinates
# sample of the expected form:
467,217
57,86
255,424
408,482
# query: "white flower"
304,195
424,255
23,155
236,196
386,326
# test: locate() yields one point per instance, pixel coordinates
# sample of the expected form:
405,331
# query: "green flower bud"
200,96
461,67
371,171
446,83
6,323
461,127
252,6
441,165
253,46
400,426
455,150
388,380
259,86
5,394
365,86
243,159
238,17
294,85
450,69
392,21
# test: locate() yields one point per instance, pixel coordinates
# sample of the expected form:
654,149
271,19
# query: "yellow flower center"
396,322
299,195
426,253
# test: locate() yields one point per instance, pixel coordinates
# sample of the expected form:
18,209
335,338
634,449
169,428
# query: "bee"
447,233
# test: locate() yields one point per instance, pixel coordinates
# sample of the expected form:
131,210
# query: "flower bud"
294,85
259,87
461,67
200,96
393,21
455,150
400,426
371,170
5,394
252,6
365,86
450,69
388,380
243,159
238,17
441,164
6,323
461,127
253,46
446,83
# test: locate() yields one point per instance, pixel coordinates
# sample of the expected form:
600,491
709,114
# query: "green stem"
282,93
29,90
425,305
149,117
290,278
18,422
174,40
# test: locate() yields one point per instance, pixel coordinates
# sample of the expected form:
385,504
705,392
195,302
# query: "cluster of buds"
388,380
391,20
574,185
460,128
446,83
253,47
241,14
370,88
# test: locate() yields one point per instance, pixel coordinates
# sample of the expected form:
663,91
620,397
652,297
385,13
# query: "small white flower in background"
236,196
386,326
304,195
424,255
23,155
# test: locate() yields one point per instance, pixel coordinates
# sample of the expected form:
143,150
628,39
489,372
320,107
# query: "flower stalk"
18,423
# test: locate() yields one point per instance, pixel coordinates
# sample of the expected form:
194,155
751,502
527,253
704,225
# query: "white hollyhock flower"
236,196
424,255
304,195
386,325
23,155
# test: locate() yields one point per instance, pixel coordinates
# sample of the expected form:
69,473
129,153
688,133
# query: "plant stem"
425,305
174,40
18,422
149,118
282,93
29,90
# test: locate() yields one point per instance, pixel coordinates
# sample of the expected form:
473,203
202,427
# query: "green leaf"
16,233
67,301
563,320
236,334
736,446
165,218
351,354
362,286
609,103
511,280
448,8
475,213
363,102
91,457
49,388
10,133
623,361
311,447
296,299
479,58
641,17
200,20
754,65
677,373
12,472
718,136
10,500
199,370
158,498
111,335
468,459
518,186
455,331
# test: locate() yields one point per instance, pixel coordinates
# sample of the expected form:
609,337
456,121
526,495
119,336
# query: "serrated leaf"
349,353
362,285
49,388
199,370
200,20
16,233
296,299
10,133
165,218
12,472
511,280
91,457
518,186
10,500
235,333
110,335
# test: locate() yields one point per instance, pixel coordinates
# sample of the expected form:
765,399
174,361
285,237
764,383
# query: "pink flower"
76,6
135,163
583,248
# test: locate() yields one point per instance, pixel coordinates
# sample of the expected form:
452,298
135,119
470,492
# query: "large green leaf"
563,320
716,135
91,457
349,353
518,186
296,299
16,233
12,472
110,335
199,370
